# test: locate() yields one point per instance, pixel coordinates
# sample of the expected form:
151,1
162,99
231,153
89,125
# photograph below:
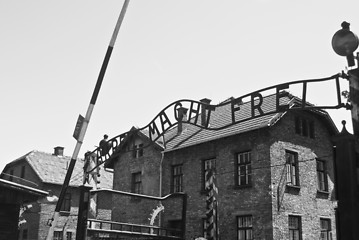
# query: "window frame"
177,178
66,204
25,234
322,176
136,182
204,227
294,229
246,165
69,235
292,169
137,150
304,127
60,235
326,231
246,229
22,172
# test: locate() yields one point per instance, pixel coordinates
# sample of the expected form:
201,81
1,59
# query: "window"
243,169
175,226
245,228
311,129
322,176
24,234
204,227
304,127
138,150
207,165
66,205
177,178
136,182
292,168
68,235
295,232
325,229
22,174
57,235
11,174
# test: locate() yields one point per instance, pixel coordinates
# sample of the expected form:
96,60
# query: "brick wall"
38,215
233,201
260,200
131,209
306,202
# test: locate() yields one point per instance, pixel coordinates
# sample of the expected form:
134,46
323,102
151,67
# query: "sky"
51,53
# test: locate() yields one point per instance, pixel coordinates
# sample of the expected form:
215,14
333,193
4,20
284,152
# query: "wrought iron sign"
189,112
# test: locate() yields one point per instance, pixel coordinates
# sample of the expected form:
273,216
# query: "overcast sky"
51,53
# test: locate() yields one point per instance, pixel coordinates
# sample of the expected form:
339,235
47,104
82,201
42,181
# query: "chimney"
58,151
203,111
182,111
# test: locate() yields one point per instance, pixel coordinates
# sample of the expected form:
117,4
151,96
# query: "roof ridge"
228,100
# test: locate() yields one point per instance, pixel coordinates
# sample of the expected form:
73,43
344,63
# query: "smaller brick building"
47,171
14,198
274,173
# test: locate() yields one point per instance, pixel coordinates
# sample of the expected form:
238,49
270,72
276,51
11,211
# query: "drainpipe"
161,163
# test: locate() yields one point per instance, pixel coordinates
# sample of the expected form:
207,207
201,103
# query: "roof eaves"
14,185
216,137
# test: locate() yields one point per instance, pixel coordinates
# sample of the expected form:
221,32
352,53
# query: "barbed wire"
262,167
278,165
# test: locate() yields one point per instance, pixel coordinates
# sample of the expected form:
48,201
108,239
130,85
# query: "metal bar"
86,121
304,94
117,141
177,194
131,225
184,212
354,99
338,91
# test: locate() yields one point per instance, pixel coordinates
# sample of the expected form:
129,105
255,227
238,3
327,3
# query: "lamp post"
344,43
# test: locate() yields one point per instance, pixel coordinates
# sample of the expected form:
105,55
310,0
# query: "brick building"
47,171
14,198
274,173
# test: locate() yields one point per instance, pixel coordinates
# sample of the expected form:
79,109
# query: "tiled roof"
52,169
222,116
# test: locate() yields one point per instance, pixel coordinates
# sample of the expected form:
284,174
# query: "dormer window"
304,127
138,150
22,173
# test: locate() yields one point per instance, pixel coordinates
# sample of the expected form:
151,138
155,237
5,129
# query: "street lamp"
344,43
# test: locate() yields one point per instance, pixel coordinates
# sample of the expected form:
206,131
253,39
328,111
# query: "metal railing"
110,227
118,228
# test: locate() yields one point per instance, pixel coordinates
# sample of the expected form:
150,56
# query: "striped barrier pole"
82,124
211,204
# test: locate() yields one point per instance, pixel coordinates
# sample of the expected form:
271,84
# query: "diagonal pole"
81,136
